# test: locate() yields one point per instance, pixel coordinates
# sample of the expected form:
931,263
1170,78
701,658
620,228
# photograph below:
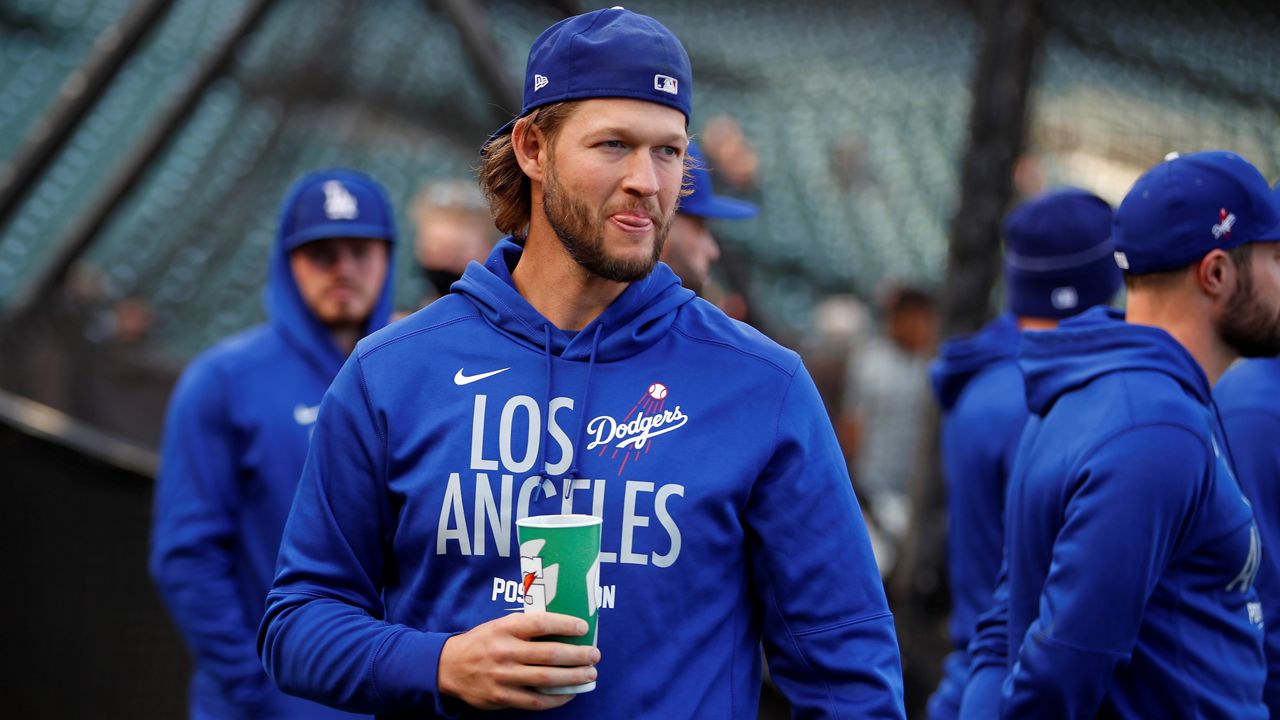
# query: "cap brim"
1271,234
721,208
504,130
337,230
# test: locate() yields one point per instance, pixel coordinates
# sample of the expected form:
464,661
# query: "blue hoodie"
728,513
1130,550
979,387
236,437
1249,397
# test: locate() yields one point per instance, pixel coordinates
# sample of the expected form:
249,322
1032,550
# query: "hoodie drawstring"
1222,429
578,437
546,411
547,487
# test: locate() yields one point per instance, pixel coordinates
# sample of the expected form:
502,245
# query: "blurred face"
913,329
340,279
690,250
1250,324
611,185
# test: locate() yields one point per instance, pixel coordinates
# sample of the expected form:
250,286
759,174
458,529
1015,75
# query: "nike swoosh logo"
304,415
462,379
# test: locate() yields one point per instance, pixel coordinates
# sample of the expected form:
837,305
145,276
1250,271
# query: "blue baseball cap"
703,202
1058,254
606,53
335,203
1189,205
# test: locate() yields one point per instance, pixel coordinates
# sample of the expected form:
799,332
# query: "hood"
289,315
961,358
1098,342
638,318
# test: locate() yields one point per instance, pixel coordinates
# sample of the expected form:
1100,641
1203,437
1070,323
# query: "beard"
1248,326
582,234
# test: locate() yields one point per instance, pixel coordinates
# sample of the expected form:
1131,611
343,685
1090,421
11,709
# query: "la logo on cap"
338,203
666,84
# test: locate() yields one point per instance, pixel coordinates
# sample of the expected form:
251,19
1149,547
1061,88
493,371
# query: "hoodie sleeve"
1256,453
989,655
324,636
828,632
1122,522
193,536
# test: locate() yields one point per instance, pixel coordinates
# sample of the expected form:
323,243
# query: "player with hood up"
1130,550
237,431
1057,263
572,373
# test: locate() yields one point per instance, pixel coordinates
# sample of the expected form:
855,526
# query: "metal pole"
1012,34
79,92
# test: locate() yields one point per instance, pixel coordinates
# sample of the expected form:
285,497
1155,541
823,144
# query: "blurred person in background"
691,249
883,410
731,153
1130,550
238,428
1057,263
530,390
1249,398
453,228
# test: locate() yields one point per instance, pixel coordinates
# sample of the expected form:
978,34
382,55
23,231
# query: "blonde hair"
508,189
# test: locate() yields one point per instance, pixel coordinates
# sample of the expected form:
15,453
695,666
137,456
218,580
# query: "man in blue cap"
1130,550
1249,397
691,248
572,374
1057,263
237,431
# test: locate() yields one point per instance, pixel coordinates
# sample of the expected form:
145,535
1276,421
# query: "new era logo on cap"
338,203
666,84
539,82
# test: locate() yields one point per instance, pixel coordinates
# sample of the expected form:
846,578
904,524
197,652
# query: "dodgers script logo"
631,434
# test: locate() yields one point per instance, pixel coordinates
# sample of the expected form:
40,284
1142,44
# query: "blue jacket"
236,436
1130,550
728,514
1249,397
979,387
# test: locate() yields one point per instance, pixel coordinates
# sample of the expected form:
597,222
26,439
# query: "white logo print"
636,432
1226,221
1244,580
538,582
461,378
304,415
666,84
338,203
1122,260
539,82
1064,298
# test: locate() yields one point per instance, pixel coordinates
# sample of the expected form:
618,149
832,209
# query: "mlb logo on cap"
666,84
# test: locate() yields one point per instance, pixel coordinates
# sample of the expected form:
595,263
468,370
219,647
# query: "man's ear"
531,148
1217,274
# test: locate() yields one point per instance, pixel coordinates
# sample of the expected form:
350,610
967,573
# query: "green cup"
559,571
